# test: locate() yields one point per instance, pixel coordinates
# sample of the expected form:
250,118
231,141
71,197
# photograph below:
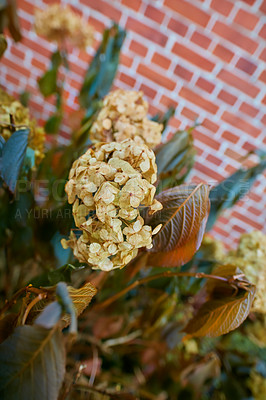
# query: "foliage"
8,19
138,332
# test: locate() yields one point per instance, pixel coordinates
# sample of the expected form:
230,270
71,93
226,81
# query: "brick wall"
206,57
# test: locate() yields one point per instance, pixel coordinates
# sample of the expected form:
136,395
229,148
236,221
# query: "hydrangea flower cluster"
124,116
107,186
13,112
61,24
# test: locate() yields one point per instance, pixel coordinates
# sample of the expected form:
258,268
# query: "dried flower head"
124,116
61,24
13,112
107,186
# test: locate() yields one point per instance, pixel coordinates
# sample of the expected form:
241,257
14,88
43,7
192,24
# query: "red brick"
205,85
210,173
168,102
227,97
198,100
15,66
262,76
38,64
25,24
238,83
135,5
126,60
248,109
233,36
264,100
263,55
193,57
263,119
210,125
12,79
189,11
149,92
104,8
207,139
249,2
246,19
246,66
161,60
138,48
263,7
262,32
35,45
146,31
97,25
254,211
183,72
247,220
231,137
155,77
189,114
77,68
238,229
223,53
178,27
175,123
214,160
200,39
153,13
224,7
127,79
16,52
240,124
232,154
26,6
221,231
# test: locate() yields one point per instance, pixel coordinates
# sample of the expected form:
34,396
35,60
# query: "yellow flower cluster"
61,24
257,385
13,112
124,116
106,186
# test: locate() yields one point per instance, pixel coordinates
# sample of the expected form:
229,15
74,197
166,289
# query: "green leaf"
56,60
52,125
184,216
102,70
13,154
32,364
24,98
51,278
164,118
47,83
232,189
175,159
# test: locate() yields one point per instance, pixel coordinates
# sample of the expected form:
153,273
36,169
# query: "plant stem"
166,274
14,298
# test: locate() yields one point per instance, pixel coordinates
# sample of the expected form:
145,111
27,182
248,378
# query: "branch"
166,274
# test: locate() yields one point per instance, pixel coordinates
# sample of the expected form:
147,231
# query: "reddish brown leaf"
224,311
184,216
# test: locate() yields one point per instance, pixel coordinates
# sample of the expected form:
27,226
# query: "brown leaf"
81,298
224,311
184,216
